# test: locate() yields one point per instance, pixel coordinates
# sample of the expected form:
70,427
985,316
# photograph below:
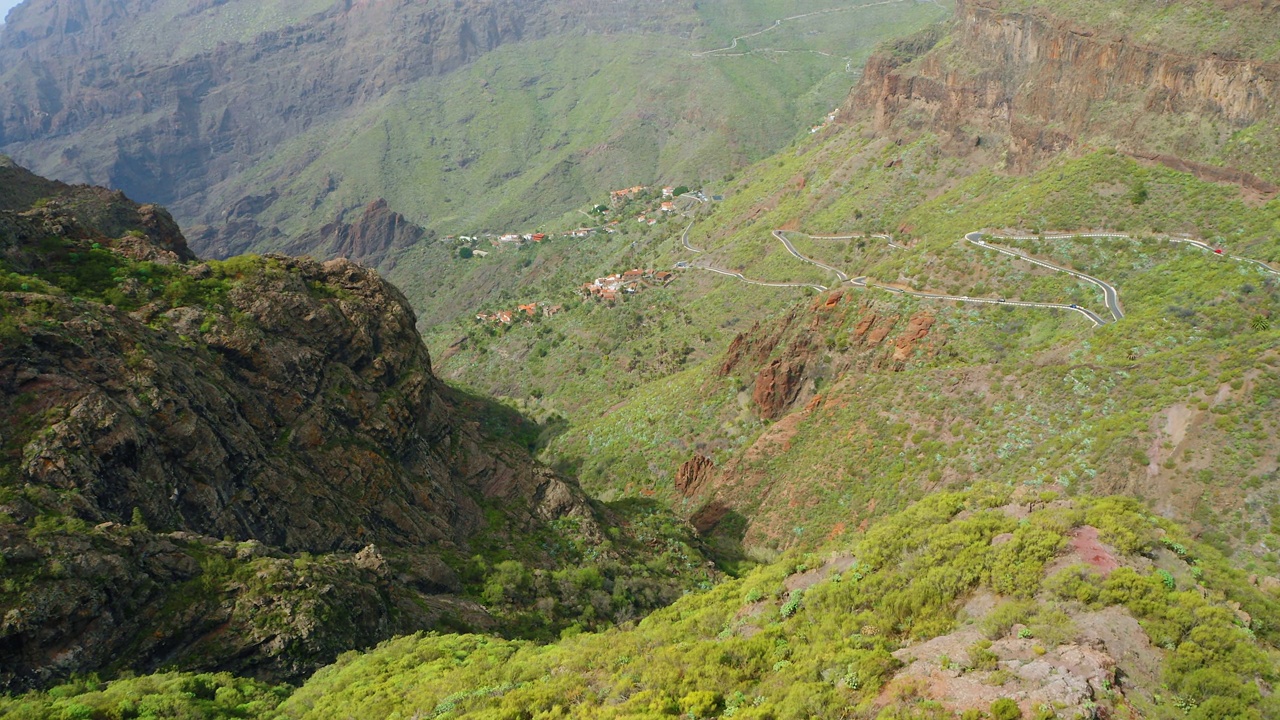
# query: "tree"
465,253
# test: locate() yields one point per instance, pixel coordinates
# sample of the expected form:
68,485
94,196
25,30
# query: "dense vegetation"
818,634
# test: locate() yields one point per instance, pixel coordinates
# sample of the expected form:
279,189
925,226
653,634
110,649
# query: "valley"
958,400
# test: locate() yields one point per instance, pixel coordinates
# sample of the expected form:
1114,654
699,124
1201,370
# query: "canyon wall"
1041,84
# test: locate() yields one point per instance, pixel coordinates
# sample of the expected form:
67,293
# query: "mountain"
257,123
1190,85
251,465
790,414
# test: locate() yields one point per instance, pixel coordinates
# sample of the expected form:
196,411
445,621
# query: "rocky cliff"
245,465
1034,80
369,240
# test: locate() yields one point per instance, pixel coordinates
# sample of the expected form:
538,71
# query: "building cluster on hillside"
617,196
831,117
632,281
518,239
506,317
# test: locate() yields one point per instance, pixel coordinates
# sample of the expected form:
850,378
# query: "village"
608,289
617,199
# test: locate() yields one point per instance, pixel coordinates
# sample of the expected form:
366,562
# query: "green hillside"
1010,598
1016,394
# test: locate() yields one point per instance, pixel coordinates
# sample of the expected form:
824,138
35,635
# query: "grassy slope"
1038,397
758,648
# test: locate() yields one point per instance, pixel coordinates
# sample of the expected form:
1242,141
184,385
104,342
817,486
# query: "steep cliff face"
370,239
1039,81
245,465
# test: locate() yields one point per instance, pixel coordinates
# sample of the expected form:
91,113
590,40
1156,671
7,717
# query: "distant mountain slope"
284,117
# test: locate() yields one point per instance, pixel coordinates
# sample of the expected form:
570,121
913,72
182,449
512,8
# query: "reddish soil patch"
1085,544
809,578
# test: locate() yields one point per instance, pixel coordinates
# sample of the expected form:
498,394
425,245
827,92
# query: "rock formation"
245,465
1036,84
693,474
368,240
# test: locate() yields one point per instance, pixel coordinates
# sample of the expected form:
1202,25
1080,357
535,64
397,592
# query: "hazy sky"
5,6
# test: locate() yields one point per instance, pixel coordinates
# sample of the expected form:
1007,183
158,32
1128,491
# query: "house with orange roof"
668,206
627,193
531,309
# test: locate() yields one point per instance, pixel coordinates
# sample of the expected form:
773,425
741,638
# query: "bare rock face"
693,474
1036,81
777,386
368,240
1068,677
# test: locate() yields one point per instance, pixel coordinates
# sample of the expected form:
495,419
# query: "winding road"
1110,295
1212,249
863,282
778,23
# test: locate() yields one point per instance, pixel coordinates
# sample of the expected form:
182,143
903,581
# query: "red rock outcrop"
1037,82
917,329
777,386
693,475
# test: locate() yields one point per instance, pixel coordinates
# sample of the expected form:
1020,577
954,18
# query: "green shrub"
1005,709
981,657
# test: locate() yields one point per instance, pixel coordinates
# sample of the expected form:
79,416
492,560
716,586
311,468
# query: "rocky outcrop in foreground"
245,465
